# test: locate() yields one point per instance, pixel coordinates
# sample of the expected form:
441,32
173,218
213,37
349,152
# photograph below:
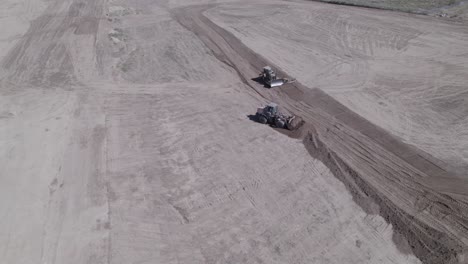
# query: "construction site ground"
126,133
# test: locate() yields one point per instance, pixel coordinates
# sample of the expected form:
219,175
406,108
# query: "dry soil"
126,138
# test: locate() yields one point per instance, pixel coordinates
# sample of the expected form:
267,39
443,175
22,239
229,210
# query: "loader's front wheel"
262,120
279,123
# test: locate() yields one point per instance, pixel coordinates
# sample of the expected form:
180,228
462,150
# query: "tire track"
44,55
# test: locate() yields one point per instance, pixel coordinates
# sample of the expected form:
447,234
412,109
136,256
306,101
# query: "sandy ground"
125,138
15,17
405,73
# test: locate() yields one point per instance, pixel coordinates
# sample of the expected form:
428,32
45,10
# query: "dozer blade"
276,83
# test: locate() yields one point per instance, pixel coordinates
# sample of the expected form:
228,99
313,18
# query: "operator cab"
271,108
268,74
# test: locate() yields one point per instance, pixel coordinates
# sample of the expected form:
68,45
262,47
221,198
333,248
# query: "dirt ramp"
433,222
429,244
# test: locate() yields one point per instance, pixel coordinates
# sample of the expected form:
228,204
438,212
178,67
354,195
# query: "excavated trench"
426,204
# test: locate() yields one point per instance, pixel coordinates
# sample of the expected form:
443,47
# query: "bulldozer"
270,79
270,114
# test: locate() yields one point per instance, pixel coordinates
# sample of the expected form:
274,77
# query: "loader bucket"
295,123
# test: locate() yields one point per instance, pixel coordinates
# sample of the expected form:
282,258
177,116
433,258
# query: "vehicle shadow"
259,80
252,118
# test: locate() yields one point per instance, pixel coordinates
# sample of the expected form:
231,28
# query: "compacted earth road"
126,133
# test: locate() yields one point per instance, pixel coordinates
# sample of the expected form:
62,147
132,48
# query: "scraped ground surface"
403,72
125,138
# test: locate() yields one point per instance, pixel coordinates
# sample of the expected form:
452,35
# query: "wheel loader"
270,79
269,114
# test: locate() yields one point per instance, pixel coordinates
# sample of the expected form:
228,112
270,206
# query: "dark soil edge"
429,245
418,12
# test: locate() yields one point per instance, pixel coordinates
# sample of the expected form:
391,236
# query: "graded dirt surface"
125,134
404,73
